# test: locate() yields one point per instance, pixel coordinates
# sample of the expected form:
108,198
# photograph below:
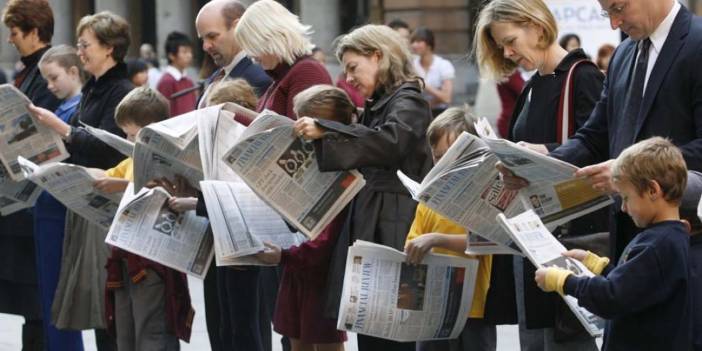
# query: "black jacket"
389,137
97,109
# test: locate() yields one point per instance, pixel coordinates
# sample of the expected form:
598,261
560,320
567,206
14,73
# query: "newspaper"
146,226
168,148
73,186
124,146
15,196
21,135
282,169
544,250
553,193
241,222
477,245
387,298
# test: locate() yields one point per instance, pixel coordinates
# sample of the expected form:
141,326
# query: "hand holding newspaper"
21,135
544,250
15,196
387,298
282,169
144,225
73,186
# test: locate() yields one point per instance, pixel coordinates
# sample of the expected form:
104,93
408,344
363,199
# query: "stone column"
323,16
172,15
63,22
119,7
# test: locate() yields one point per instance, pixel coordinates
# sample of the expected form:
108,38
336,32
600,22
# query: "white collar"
659,36
177,74
228,68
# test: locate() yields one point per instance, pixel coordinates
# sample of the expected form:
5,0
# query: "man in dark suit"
233,309
653,88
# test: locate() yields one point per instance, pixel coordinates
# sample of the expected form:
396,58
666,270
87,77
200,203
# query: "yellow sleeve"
418,225
123,170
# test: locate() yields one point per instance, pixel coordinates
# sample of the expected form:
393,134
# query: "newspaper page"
465,187
241,222
73,186
146,226
553,193
15,196
124,146
169,148
477,245
282,169
544,250
387,298
219,128
21,135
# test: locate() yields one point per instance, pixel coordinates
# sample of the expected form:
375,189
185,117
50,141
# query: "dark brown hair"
30,14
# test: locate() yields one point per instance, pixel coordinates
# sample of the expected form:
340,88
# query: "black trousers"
370,343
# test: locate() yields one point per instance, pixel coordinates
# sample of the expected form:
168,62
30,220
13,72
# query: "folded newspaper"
544,250
124,146
73,186
15,196
387,298
239,219
146,226
21,135
282,169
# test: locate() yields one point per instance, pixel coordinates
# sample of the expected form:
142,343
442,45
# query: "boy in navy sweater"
646,297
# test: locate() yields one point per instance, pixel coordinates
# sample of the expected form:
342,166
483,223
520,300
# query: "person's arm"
692,151
343,147
418,247
443,94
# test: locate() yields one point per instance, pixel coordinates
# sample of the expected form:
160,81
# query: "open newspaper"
544,250
15,196
124,146
73,186
240,220
146,226
168,148
553,193
387,298
21,135
282,169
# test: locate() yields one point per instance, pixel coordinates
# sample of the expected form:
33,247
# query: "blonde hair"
325,102
269,28
489,54
237,91
64,56
395,64
653,159
454,120
142,106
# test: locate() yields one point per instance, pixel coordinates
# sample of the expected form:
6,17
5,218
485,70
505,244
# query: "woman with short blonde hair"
390,136
275,38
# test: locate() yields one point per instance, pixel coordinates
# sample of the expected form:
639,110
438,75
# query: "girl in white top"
437,72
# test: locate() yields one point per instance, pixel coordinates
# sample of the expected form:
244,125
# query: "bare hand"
110,185
540,148
182,204
49,119
600,175
271,255
576,254
540,278
307,128
417,248
511,180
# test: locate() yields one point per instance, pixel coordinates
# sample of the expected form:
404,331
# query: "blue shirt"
68,107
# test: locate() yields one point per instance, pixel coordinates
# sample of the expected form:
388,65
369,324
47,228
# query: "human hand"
511,180
271,255
417,248
600,175
577,254
307,128
49,119
182,204
540,148
111,185
551,279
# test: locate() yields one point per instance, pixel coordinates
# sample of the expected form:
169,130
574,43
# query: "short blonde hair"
269,28
237,91
455,120
395,64
110,30
141,107
653,159
325,102
488,53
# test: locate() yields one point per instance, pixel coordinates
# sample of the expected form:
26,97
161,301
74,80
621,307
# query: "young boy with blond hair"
646,297
148,304
431,231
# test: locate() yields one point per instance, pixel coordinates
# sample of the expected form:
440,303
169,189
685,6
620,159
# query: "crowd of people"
632,122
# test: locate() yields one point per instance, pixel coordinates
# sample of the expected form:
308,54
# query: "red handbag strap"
565,124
